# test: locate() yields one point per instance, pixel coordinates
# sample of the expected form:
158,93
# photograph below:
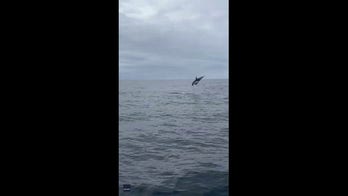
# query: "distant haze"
173,39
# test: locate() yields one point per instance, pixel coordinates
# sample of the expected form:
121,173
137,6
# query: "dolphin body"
195,82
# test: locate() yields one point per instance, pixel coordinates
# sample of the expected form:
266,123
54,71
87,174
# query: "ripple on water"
173,139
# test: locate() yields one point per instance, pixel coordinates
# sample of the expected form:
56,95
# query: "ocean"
173,137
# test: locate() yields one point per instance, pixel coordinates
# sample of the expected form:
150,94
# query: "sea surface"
173,137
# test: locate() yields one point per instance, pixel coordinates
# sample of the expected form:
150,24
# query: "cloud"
173,39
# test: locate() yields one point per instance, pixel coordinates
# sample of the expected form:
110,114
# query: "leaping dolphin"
195,82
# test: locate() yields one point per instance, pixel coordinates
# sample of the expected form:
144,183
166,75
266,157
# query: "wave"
207,183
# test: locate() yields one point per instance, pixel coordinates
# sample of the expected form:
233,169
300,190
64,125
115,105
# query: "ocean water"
173,137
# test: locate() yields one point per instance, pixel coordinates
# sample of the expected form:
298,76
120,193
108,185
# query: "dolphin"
195,82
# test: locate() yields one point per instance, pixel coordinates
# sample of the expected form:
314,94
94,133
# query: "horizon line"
178,79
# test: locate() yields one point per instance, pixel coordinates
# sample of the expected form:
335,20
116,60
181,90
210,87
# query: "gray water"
173,138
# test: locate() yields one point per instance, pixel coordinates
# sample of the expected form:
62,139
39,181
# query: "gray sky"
173,39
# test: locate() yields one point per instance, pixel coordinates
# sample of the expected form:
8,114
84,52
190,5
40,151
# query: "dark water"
173,138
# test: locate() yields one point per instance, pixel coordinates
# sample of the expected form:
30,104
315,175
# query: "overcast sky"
173,39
